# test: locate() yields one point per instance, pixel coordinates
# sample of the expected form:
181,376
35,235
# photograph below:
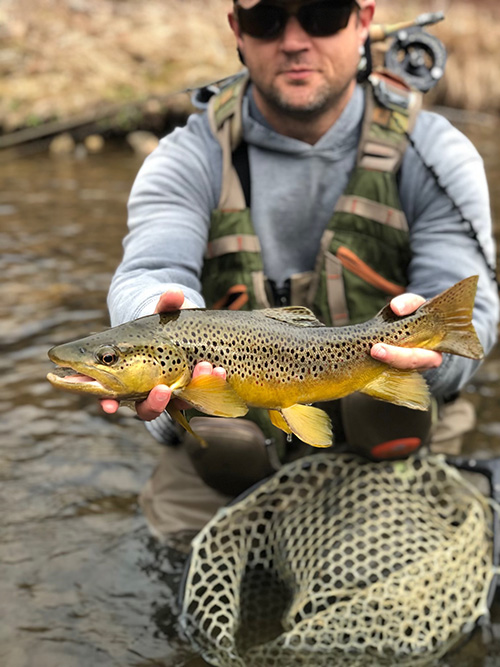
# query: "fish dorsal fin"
296,316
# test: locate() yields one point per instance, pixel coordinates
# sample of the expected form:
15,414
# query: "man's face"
297,74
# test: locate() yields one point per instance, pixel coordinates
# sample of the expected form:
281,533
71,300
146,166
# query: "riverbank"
89,59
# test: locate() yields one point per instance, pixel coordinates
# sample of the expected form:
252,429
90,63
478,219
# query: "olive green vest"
365,251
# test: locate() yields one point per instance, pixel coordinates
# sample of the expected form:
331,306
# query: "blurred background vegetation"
64,58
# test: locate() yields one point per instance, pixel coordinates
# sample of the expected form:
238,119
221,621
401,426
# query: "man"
301,120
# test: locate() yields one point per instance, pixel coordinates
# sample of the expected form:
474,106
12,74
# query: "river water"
82,583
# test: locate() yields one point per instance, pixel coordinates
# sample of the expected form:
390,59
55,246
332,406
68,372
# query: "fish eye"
107,355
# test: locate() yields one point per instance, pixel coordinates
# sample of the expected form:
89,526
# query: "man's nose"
294,37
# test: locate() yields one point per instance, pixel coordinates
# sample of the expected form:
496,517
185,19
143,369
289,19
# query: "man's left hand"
406,357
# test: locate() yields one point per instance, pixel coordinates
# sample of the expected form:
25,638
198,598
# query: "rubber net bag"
341,561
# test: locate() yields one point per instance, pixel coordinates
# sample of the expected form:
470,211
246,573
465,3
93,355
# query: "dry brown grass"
64,57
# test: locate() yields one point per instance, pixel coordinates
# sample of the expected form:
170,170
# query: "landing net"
341,561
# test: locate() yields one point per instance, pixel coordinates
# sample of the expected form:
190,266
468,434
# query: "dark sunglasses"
318,19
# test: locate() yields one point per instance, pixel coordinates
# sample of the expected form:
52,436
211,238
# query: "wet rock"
63,144
94,143
142,143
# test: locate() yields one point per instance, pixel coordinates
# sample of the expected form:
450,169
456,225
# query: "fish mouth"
72,379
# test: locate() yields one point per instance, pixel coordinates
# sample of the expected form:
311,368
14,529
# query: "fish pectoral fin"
213,396
178,417
308,423
278,421
401,387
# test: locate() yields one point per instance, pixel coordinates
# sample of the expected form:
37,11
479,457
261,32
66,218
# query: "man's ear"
233,22
365,18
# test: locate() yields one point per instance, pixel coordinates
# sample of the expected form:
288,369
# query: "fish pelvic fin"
401,387
213,396
454,308
278,421
178,417
309,424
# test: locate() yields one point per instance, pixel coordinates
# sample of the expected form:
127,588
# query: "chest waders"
361,264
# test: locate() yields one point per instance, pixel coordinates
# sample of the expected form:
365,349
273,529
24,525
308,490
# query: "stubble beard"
324,99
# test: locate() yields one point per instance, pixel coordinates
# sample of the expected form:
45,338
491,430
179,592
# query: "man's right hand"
158,398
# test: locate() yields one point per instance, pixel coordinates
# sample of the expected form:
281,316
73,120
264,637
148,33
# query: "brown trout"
279,359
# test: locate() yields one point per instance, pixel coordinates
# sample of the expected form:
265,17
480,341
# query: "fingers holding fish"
173,299
109,405
206,368
155,403
406,358
405,304
159,397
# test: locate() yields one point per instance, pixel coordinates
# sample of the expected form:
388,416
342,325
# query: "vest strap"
232,197
233,243
391,112
371,209
378,156
224,113
335,291
259,288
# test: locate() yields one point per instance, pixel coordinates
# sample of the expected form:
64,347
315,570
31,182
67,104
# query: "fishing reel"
416,56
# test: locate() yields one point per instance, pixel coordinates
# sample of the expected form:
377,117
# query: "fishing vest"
365,251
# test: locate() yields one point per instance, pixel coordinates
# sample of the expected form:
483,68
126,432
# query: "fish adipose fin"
401,387
178,417
454,308
296,316
309,424
214,396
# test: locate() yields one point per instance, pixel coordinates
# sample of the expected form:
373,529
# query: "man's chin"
299,103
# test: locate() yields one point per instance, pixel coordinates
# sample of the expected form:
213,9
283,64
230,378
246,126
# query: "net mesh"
338,560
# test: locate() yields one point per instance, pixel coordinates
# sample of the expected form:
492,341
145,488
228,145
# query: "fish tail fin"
453,308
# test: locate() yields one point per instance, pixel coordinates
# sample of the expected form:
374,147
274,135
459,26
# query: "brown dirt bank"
61,58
